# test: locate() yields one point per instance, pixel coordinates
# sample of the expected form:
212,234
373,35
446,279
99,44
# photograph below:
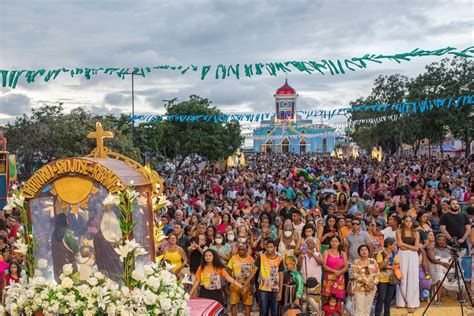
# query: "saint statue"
64,247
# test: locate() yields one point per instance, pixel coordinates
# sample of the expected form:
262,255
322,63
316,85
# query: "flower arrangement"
149,290
26,242
126,201
157,292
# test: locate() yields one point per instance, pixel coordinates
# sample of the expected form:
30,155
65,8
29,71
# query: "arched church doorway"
268,146
285,145
303,145
325,145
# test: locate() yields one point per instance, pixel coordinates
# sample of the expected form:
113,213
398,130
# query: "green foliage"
213,141
49,134
444,79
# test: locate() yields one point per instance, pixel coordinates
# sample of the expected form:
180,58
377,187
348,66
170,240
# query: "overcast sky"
101,33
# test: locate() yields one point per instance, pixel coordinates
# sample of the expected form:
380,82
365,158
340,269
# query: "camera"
454,243
454,246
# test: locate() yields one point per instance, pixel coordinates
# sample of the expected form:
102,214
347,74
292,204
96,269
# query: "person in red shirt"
332,308
13,276
13,228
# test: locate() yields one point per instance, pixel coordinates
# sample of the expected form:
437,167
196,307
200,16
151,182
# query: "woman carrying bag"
366,276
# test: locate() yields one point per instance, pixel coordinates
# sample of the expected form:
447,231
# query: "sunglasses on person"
355,223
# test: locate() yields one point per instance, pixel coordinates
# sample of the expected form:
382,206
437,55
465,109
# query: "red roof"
286,89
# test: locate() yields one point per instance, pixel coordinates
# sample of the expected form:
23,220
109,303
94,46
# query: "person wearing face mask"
290,242
231,240
221,247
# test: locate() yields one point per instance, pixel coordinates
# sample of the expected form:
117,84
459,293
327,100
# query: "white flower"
153,282
38,273
169,266
122,251
98,275
132,194
67,283
42,264
165,303
21,247
148,270
125,291
92,281
19,199
68,269
186,279
140,251
38,281
163,201
138,275
167,277
149,298
130,245
10,204
111,199
111,310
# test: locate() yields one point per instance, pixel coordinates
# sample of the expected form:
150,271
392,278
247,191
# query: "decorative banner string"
306,136
375,120
10,78
401,108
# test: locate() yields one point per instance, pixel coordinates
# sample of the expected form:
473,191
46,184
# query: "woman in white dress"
408,293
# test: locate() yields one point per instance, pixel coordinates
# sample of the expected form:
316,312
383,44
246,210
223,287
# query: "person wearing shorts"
240,267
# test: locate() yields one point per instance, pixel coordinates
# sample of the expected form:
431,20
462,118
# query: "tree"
149,138
213,141
50,134
386,133
444,79
461,120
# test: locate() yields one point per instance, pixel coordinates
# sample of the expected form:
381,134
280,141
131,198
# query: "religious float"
89,243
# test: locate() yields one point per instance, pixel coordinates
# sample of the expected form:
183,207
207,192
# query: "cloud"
117,98
111,33
14,104
103,110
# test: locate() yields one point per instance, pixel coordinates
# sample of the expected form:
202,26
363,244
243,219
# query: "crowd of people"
374,235
11,260
355,234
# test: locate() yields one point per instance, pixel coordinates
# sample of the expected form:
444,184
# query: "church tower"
285,103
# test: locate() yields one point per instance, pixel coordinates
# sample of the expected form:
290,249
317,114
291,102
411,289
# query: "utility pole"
133,112
133,108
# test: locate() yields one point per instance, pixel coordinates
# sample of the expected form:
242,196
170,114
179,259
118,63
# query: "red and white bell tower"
285,103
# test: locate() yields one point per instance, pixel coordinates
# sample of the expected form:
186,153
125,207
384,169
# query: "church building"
287,131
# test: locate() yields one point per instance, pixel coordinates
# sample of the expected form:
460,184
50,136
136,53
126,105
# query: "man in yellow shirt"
240,266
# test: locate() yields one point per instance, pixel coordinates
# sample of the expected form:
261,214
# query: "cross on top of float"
99,136
112,170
